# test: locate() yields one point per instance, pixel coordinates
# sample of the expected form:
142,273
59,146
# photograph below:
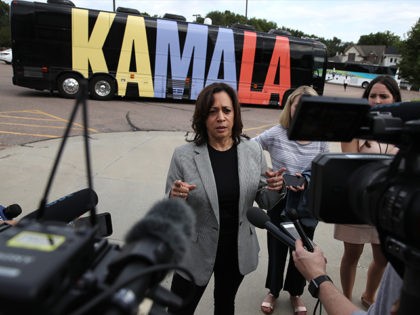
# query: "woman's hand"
181,189
275,179
298,188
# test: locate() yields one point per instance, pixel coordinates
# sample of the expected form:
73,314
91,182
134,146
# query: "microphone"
261,220
9,212
161,237
172,221
292,214
406,111
69,207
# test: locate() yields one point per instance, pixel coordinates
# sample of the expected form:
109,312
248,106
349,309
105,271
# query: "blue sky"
345,19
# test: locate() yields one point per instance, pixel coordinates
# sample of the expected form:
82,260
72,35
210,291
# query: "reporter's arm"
312,265
334,302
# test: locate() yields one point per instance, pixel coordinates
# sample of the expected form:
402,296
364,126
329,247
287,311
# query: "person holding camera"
296,158
312,265
381,90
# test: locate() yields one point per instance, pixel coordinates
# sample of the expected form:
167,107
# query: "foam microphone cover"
69,207
10,212
292,214
257,217
172,221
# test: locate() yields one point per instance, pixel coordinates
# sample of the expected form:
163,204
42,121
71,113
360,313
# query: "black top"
225,170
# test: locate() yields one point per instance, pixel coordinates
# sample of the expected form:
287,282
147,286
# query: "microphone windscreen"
12,211
69,207
257,217
172,221
292,214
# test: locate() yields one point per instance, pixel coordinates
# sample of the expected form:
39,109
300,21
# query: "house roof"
370,54
366,50
391,51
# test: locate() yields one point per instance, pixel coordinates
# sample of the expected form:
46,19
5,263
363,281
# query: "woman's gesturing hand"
181,189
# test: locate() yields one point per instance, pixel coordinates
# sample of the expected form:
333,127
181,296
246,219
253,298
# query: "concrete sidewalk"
129,171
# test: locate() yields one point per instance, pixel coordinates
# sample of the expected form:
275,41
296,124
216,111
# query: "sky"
344,19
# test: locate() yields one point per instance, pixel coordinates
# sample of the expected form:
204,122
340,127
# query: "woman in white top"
381,90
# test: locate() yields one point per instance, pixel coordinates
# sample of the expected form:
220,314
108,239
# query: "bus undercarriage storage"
56,45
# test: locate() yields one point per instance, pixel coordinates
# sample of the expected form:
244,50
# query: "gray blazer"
191,163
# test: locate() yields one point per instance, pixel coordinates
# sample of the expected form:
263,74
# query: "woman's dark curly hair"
202,107
390,84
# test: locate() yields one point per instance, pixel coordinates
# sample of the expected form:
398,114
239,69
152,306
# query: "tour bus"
56,45
358,74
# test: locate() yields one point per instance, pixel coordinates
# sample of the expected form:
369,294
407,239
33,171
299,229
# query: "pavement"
129,173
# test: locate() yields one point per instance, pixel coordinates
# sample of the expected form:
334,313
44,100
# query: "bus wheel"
69,85
365,85
102,88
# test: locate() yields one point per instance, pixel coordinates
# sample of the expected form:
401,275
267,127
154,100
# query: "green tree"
380,38
199,19
217,18
262,25
4,9
5,40
334,46
226,18
410,56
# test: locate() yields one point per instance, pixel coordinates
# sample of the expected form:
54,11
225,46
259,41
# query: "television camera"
52,267
376,189
54,263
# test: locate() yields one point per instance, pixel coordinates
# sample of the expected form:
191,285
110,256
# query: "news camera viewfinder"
323,118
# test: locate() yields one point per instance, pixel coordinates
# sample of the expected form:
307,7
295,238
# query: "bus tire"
365,85
102,87
68,85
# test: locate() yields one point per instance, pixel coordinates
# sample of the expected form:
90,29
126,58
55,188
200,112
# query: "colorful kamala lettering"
202,61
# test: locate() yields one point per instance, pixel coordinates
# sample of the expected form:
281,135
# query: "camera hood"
323,118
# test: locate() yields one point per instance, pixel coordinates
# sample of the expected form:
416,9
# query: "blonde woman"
296,157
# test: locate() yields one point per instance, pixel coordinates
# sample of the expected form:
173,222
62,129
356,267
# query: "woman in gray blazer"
220,174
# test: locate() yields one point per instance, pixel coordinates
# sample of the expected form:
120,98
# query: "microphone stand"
81,98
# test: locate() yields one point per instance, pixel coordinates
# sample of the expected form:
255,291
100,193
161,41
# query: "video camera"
54,263
376,189
52,267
